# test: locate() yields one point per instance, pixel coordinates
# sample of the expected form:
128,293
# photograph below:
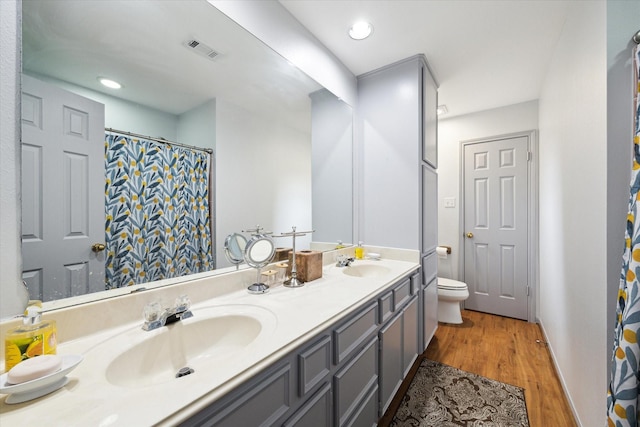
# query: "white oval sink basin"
366,270
143,358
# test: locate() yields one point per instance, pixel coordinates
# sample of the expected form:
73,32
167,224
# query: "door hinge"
529,156
527,291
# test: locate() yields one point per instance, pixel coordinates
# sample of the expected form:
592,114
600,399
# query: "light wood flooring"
507,350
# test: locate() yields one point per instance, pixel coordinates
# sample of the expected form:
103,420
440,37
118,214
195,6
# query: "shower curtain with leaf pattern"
157,211
624,386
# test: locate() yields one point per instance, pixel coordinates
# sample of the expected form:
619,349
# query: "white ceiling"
141,44
485,54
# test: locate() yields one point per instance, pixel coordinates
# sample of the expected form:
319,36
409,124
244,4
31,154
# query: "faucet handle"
182,303
152,311
154,315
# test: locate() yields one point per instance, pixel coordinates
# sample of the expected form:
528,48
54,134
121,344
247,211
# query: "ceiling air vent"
201,48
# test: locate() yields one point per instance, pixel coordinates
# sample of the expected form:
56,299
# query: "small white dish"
33,389
373,256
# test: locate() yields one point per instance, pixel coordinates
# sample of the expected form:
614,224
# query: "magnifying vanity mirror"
270,126
234,246
258,253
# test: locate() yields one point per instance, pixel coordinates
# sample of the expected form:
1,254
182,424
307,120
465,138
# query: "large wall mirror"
277,145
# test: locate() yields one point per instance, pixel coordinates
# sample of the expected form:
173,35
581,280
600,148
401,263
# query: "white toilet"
450,294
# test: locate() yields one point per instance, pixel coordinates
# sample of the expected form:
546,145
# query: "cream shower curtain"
624,387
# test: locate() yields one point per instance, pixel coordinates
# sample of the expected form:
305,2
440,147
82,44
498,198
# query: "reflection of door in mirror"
154,225
62,192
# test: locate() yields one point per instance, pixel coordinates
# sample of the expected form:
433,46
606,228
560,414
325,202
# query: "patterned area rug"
442,396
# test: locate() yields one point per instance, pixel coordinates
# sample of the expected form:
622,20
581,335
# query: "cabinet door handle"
470,235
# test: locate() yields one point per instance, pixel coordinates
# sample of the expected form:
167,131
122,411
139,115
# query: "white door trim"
532,226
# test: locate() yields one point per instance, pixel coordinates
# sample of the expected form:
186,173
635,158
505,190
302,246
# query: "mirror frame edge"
13,300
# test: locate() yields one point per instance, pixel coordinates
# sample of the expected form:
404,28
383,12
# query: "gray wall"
197,126
264,176
573,209
623,20
332,168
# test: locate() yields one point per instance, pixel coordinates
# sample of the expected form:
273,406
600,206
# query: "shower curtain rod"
636,37
161,140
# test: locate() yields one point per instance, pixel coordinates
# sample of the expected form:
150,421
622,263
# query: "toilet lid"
444,283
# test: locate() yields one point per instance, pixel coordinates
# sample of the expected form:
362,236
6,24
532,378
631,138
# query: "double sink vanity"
332,352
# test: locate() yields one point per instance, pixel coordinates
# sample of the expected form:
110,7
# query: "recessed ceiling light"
442,109
360,30
112,84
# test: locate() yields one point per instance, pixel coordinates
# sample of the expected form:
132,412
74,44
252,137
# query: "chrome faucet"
155,316
344,261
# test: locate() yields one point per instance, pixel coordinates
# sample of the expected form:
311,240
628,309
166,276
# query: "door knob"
97,247
470,235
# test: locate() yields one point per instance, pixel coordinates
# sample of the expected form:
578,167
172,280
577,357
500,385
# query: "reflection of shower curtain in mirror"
623,393
157,211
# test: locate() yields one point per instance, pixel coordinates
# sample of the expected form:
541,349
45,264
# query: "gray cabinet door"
410,335
315,412
390,338
367,414
429,209
391,141
430,296
429,267
314,365
352,383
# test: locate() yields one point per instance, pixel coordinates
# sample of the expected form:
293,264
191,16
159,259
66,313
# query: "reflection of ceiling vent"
201,48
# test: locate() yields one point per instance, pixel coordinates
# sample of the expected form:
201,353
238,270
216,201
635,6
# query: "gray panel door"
62,191
495,226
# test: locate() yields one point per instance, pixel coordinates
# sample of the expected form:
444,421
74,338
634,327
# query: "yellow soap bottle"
359,251
33,338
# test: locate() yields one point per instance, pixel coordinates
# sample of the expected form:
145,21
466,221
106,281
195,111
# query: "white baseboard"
559,374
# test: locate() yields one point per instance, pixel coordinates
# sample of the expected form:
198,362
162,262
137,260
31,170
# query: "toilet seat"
452,285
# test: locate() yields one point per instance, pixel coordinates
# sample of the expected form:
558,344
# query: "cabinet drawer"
261,402
314,365
402,294
386,306
415,282
429,267
354,333
353,382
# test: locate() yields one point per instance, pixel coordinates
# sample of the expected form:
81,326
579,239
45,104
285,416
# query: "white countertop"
295,315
